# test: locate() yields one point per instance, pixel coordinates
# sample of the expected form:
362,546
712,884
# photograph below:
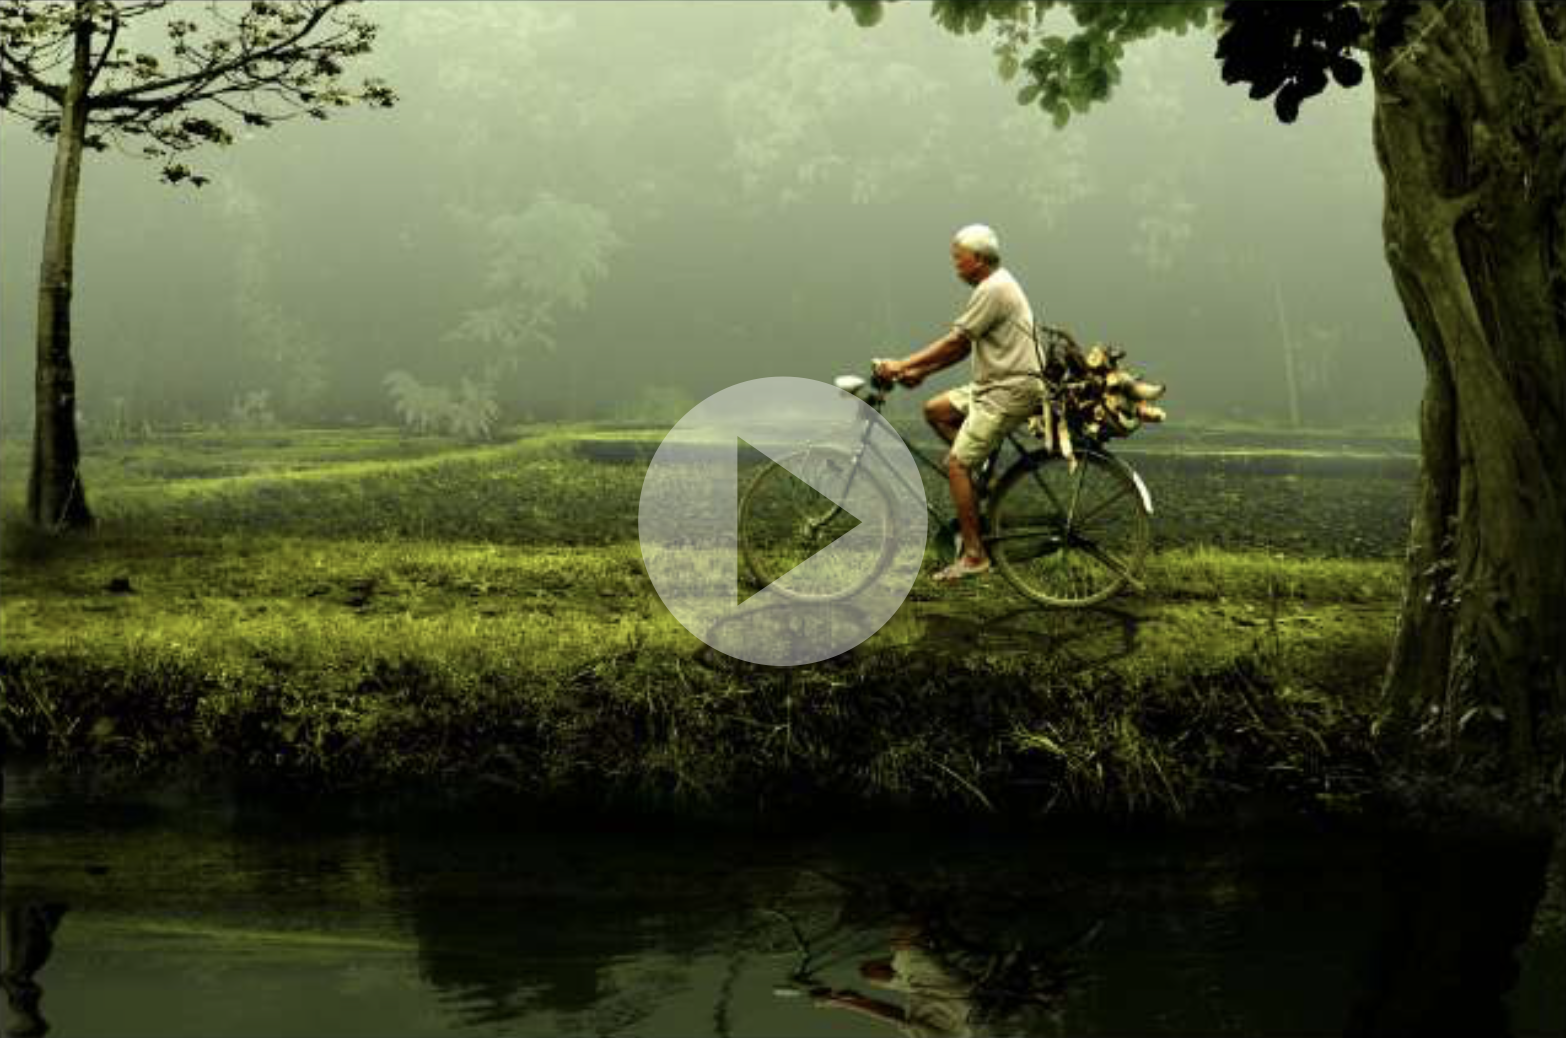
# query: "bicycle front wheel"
1068,538
783,521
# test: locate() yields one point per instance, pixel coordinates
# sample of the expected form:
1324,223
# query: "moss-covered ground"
357,611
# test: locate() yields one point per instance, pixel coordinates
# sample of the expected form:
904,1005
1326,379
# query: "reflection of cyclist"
997,328
939,997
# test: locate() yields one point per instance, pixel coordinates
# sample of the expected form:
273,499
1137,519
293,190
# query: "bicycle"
1064,534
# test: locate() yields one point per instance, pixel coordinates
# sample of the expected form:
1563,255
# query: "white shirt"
998,321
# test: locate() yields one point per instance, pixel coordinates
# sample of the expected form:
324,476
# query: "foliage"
474,410
537,262
470,413
1289,48
422,408
792,135
550,252
1283,48
252,411
250,66
1065,75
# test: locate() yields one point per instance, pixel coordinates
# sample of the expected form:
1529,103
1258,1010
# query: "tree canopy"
1284,50
160,84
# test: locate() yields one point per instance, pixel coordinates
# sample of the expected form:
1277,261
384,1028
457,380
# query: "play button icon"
772,543
782,521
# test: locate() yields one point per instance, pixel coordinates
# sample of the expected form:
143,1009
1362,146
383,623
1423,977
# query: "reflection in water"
1456,912
952,979
524,929
939,996
27,942
262,929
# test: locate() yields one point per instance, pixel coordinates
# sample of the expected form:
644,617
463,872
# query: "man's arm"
939,355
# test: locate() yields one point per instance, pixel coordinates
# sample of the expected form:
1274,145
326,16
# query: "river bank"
353,611
335,665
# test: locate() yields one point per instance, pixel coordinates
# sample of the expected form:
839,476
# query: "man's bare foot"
963,567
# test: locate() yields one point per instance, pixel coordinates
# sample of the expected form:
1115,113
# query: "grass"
341,613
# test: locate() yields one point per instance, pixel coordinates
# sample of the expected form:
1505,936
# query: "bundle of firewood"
1092,397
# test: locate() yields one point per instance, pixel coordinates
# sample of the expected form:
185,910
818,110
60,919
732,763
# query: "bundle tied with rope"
1088,395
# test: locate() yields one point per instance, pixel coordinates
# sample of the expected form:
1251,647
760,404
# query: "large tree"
1470,134
144,78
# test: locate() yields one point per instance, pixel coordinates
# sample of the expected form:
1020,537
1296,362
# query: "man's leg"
943,416
967,503
983,429
946,413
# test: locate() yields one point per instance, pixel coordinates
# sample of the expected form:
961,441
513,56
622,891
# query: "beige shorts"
988,418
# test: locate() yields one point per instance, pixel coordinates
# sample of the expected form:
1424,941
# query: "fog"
614,209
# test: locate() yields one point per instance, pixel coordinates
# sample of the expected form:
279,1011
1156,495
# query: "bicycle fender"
1141,488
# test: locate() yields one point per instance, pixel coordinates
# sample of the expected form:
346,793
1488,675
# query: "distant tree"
422,408
792,135
1470,134
270,343
471,413
64,68
538,262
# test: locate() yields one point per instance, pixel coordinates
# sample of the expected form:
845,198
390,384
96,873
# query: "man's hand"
899,371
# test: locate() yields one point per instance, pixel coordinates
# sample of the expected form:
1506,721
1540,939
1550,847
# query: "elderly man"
996,327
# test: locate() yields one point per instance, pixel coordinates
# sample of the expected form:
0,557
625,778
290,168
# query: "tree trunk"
56,498
1290,383
1470,132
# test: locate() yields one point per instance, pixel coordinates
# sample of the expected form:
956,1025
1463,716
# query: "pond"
174,914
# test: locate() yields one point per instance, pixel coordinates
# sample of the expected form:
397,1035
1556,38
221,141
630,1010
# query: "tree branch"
108,48
1461,44
1413,45
1450,210
142,108
199,77
1545,52
25,74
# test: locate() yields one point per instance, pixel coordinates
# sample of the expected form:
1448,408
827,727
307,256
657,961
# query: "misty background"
611,210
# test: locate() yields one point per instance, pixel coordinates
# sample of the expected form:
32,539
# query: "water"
185,917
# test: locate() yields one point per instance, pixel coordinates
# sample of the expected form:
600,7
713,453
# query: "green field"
334,611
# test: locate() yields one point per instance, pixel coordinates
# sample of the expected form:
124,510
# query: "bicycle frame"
1033,460
877,399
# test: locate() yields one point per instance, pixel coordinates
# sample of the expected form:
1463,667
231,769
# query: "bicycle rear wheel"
1068,538
783,521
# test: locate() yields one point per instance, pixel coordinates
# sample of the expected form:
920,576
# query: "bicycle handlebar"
876,381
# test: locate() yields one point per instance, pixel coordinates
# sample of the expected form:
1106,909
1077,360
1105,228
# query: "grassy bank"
292,627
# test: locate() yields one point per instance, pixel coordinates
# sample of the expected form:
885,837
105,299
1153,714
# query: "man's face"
970,268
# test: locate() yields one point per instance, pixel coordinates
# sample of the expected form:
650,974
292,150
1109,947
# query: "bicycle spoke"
1107,558
1087,518
784,522
1038,479
1040,519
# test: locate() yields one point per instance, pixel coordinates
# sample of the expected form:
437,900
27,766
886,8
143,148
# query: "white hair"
980,240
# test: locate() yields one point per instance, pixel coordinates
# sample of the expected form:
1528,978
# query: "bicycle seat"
850,383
